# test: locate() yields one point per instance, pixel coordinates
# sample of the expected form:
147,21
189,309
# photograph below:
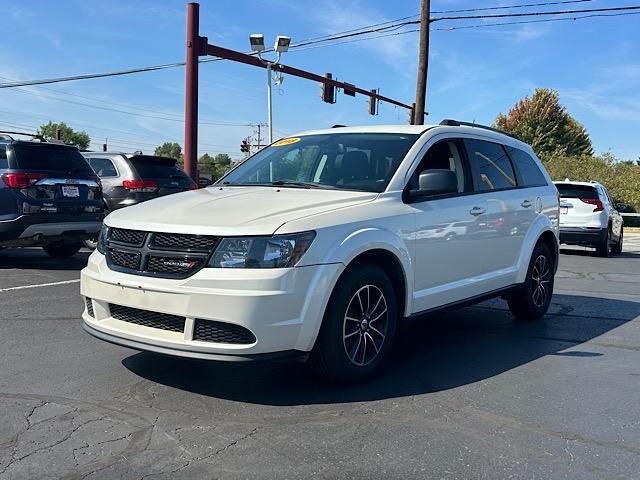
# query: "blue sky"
474,74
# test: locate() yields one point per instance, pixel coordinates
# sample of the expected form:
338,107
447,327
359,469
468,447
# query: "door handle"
526,203
475,211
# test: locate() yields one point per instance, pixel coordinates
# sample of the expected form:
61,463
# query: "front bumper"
582,235
283,308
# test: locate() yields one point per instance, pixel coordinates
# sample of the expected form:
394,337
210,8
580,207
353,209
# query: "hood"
232,211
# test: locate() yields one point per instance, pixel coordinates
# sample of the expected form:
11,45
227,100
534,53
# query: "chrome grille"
165,255
131,237
162,321
221,332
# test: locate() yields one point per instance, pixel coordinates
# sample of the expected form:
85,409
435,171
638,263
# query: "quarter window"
4,163
104,167
530,174
491,165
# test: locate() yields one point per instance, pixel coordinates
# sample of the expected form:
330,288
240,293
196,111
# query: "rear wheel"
533,299
603,249
358,327
62,250
617,247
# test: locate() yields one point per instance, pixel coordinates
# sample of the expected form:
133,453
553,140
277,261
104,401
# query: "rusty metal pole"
191,92
58,134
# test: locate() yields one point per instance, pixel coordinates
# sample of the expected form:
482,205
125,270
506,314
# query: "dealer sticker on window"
286,141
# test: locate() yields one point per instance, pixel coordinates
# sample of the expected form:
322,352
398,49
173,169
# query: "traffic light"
328,91
373,104
244,146
348,91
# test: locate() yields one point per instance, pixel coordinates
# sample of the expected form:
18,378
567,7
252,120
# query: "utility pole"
423,63
191,92
58,134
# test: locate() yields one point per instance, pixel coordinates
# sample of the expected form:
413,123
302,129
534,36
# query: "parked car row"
55,197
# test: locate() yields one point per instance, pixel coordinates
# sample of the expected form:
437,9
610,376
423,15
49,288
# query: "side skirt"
501,292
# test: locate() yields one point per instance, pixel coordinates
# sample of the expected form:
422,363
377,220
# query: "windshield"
350,161
49,157
576,191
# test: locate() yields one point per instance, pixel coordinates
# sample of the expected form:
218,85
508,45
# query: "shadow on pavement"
37,259
439,353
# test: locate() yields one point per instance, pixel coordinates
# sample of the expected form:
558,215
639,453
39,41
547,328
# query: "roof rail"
456,123
338,126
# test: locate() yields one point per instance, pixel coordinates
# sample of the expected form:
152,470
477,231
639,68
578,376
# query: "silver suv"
588,216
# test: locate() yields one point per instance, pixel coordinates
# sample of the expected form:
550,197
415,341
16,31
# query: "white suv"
320,244
589,217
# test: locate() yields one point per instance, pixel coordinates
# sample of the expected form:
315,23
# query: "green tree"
206,164
222,159
171,150
67,134
542,122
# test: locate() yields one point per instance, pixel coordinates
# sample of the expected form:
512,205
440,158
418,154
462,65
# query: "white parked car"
319,245
589,217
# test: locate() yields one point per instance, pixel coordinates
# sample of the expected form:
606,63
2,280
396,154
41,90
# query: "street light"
281,46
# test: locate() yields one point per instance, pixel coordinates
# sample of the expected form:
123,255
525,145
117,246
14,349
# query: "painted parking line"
23,287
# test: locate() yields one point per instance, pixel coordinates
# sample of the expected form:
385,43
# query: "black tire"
617,247
603,249
336,355
533,299
62,250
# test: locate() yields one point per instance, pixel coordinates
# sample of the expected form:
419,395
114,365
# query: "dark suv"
131,178
49,196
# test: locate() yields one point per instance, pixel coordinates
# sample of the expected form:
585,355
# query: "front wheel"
62,250
358,328
533,299
617,247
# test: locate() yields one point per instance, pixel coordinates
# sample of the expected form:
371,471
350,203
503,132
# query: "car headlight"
102,239
279,251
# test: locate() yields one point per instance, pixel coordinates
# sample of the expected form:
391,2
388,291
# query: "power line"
506,7
310,42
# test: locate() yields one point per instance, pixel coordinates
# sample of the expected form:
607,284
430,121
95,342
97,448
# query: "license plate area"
564,210
70,191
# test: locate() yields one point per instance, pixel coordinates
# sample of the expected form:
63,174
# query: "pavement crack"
235,442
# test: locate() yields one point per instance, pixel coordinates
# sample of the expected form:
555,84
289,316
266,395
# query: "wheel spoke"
377,304
349,335
362,311
374,329
378,317
364,347
355,350
351,319
368,335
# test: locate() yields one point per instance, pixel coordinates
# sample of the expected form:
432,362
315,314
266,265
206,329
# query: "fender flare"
540,225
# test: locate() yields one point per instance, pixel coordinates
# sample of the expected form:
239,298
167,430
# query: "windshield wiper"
294,183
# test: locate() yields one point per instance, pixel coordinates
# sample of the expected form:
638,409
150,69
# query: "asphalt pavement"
470,394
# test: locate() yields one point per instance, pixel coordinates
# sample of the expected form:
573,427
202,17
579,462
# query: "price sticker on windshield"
286,141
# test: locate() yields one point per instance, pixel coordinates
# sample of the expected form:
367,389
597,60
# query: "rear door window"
3,157
149,166
49,157
104,167
491,166
568,190
530,174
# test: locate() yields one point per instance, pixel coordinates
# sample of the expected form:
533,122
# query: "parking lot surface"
470,394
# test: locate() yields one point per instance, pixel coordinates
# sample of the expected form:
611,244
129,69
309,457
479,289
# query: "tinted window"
156,167
491,165
568,190
530,174
104,167
3,157
443,155
353,161
49,157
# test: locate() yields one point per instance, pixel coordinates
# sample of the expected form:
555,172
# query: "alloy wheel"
541,278
365,325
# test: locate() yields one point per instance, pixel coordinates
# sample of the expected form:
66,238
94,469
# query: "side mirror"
436,182
621,206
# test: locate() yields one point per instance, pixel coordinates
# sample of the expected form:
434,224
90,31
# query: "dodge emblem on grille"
188,264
